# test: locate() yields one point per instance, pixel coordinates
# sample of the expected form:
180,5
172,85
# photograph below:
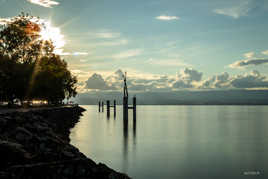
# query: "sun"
48,32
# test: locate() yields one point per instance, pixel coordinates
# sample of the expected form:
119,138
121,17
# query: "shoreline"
36,144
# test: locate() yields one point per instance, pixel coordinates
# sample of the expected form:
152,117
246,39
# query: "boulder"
23,135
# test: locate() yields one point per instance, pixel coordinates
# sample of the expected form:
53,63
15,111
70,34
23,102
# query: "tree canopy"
29,68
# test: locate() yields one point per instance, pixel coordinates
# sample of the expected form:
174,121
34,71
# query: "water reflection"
186,142
126,140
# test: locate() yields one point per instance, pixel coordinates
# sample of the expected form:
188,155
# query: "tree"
54,81
20,38
29,68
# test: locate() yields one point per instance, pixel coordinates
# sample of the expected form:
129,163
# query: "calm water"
187,142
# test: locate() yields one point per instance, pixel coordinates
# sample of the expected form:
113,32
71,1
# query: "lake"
186,142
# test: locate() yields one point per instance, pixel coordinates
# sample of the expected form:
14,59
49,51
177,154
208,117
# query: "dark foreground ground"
35,144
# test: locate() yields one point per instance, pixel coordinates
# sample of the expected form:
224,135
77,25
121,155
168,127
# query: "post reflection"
126,141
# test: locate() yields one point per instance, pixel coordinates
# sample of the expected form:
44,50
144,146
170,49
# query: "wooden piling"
108,108
134,108
114,108
125,108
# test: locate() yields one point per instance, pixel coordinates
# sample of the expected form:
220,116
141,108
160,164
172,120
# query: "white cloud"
249,54
265,52
167,62
236,11
167,18
187,78
245,63
103,34
112,43
252,80
107,35
44,3
97,82
127,54
216,81
62,53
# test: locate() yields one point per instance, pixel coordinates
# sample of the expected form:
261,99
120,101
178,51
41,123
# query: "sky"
163,45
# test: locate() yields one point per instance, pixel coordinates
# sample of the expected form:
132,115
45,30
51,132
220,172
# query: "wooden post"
108,108
102,106
125,108
114,108
134,108
99,106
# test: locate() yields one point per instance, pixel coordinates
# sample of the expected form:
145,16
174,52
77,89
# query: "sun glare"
48,32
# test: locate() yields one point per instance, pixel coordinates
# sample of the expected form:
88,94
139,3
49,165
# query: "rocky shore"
35,144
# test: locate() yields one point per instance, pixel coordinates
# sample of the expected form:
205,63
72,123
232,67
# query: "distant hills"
212,97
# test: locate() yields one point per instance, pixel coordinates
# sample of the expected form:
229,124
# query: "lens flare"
48,32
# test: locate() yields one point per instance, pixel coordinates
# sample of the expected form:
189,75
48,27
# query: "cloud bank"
245,63
186,79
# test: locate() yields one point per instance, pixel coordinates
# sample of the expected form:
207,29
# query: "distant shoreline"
187,105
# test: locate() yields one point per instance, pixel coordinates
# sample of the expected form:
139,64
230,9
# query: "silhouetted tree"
29,69
54,81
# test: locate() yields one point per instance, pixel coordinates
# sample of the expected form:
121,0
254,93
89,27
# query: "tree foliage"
28,67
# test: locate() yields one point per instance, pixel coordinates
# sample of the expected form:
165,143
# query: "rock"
41,127
68,154
12,153
35,144
4,175
3,122
68,171
22,134
19,119
81,171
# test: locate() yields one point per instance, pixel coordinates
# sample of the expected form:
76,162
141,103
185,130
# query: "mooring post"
99,106
134,108
125,108
114,107
102,106
108,108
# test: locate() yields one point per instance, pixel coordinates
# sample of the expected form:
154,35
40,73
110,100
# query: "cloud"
60,52
236,11
167,18
44,3
116,79
97,82
252,80
265,52
245,63
115,82
103,34
249,54
187,78
107,35
216,81
246,81
112,43
167,62
127,54
190,74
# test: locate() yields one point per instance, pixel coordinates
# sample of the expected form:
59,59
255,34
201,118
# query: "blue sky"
157,37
